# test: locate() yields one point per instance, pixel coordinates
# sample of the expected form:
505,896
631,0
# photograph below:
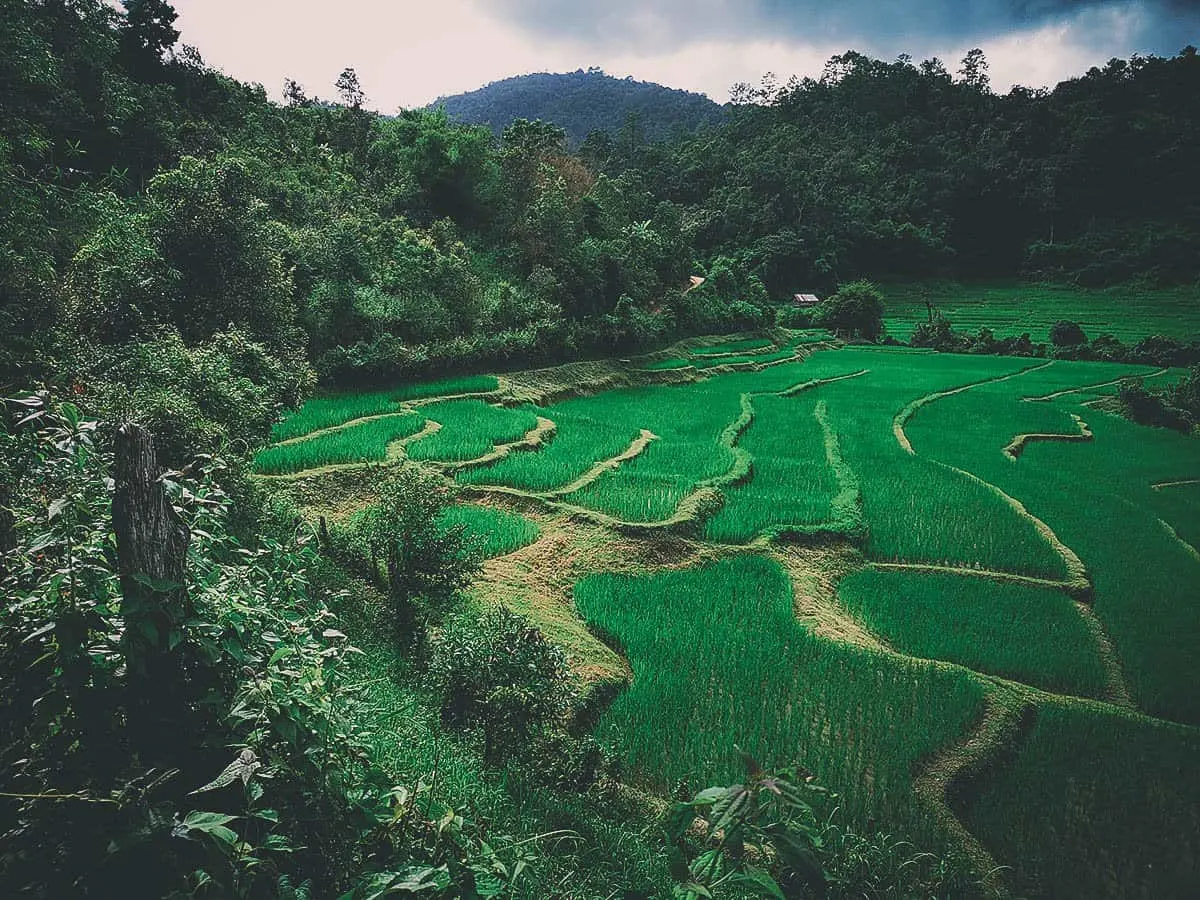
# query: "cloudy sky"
408,52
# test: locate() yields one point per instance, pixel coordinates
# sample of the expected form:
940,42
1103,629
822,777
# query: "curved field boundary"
534,438
1170,484
1170,529
1088,387
1116,688
909,411
805,385
635,448
395,454
1078,583
951,778
402,407
968,572
1018,444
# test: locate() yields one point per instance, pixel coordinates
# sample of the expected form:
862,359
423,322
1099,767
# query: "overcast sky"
408,52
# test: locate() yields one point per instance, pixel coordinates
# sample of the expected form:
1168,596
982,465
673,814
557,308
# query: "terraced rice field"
956,591
1010,310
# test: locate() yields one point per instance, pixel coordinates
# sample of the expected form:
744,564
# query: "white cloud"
407,52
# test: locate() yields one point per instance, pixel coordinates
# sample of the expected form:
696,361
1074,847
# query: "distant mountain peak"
583,101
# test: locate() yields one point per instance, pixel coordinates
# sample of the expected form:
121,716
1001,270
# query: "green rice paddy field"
1127,313
1006,645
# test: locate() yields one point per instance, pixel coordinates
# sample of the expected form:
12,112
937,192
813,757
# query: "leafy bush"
855,310
497,673
403,539
1065,333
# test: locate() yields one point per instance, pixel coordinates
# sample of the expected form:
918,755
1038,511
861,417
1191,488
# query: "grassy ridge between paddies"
327,412
694,448
1179,506
1025,633
358,443
915,510
1097,496
795,488
470,429
580,441
1128,313
1098,803
718,659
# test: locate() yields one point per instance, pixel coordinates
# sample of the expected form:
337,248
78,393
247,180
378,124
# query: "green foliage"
1065,333
769,816
403,537
497,673
855,310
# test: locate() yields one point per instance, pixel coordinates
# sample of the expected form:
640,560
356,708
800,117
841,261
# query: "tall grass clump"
362,442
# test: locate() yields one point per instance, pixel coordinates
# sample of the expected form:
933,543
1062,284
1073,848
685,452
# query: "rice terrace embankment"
973,616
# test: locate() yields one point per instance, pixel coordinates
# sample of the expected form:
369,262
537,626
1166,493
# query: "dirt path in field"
814,575
902,417
1088,387
1170,484
1018,444
952,779
538,581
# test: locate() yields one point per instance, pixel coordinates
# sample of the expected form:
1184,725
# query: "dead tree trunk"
152,547
8,522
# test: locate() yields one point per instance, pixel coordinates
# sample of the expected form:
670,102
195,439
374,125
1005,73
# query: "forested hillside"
898,169
582,102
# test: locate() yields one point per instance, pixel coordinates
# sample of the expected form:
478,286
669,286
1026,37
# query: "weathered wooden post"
152,547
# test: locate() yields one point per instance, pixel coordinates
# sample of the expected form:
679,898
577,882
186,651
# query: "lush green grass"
362,442
1179,506
326,412
1128,313
718,659
1028,634
1098,803
1097,497
579,442
794,486
915,509
673,363
470,429
492,531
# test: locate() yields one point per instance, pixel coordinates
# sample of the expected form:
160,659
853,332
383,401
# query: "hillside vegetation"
582,102
392,505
